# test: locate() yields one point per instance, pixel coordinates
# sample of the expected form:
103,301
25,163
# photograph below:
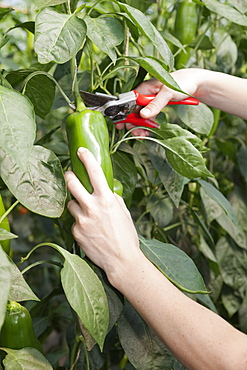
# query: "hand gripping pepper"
87,128
17,331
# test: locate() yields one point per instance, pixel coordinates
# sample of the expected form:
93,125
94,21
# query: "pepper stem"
75,88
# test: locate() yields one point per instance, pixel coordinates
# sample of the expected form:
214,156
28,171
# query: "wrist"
124,272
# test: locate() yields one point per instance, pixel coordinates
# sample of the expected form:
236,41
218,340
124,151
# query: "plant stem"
40,263
8,211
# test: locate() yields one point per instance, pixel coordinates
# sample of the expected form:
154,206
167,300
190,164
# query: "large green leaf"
157,69
19,289
45,3
85,294
142,347
5,276
41,187
58,37
17,125
25,359
148,30
219,198
175,264
199,118
106,33
170,130
226,11
184,157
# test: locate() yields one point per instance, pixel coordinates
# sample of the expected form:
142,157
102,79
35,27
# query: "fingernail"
146,111
81,150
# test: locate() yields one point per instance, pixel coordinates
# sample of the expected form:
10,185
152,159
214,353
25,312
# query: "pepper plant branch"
40,263
8,211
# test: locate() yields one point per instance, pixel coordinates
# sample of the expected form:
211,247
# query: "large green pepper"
185,29
5,244
17,331
88,128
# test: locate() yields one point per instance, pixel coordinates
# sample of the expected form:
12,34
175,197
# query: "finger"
151,86
156,105
94,170
74,208
137,131
75,187
119,126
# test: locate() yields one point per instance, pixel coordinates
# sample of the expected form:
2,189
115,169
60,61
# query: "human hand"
103,226
186,79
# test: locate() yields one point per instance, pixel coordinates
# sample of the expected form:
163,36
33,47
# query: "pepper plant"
184,184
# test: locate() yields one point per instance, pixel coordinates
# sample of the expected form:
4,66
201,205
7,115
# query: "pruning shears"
121,109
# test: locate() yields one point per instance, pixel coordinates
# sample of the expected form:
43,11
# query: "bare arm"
198,338
219,90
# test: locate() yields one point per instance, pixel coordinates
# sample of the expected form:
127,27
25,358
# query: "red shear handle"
137,120
146,99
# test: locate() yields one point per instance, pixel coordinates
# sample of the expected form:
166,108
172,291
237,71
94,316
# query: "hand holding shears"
121,109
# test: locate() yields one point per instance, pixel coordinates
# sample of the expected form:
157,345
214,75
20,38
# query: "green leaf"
161,209
40,188
4,11
142,347
5,276
212,209
219,198
25,359
184,157
206,250
148,30
41,91
6,235
157,69
17,126
175,264
172,180
232,262
19,289
125,171
226,11
242,161
45,3
106,33
199,118
235,232
85,294
58,37
231,301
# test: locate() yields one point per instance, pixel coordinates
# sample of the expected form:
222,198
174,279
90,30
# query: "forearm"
199,338
220,90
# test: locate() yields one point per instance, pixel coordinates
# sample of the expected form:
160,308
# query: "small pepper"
17,331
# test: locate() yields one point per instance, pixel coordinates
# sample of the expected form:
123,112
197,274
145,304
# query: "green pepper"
17,331
185,28
88,128
5,244
118,187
